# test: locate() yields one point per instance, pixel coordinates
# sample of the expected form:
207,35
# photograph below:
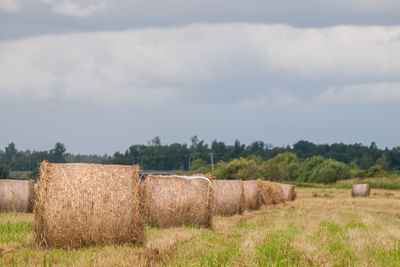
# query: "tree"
156,141
199,166
284,166
57,154
383,162
242,168
304,149
366,161
4,172
11,153
308,167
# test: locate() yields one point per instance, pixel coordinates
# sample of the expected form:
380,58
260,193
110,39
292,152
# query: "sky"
101,75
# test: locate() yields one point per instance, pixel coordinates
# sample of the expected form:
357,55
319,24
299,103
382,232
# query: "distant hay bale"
251,189
88,204
360,190
16,195
289,192
229,197
270,193
179,200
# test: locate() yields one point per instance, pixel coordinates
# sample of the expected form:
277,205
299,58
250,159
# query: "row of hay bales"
87,204
16,195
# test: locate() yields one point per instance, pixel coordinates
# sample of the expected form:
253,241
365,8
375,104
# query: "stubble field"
323,227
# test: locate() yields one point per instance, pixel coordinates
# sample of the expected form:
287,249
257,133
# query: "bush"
308,167
199,166
242,168
330,171
283,167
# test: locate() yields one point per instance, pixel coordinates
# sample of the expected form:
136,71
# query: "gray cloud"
38,17
10,5
102,75
203,63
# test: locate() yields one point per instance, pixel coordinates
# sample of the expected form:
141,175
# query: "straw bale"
88,204
289,193
270,193
251,189
360,190
16,195
229,197
176,201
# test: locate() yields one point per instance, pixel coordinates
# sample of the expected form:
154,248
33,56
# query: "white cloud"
363,93
230,63
10,5
77,8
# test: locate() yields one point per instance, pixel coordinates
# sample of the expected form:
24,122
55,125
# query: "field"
323,227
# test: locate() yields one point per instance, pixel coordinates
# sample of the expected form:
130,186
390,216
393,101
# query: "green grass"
323,227
375,183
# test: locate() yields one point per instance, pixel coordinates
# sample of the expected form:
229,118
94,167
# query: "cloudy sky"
100,75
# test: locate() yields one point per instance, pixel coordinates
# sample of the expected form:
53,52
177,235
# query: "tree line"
182,156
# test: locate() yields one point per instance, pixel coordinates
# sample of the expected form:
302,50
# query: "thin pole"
212,162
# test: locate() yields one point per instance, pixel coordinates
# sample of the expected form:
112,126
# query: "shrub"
330,171
282,167
242,168
308,167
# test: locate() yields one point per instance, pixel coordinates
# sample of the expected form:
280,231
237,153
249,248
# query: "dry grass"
323,227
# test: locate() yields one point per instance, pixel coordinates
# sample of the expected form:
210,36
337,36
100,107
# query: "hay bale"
360,190
270,193
88,204
177,200
229,197
289,193
251,189
16,195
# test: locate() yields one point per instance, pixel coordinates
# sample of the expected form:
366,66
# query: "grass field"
323,227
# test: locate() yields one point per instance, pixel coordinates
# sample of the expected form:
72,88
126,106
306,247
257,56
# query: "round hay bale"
16,195
229,197
270,193
88,204
179,200
289,193
251,189
360,190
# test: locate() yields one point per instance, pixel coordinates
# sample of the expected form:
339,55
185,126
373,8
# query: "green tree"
57,154
10,153
242,168
199,166
376,171
308,167
283,167
366,161
4,172
383,162
330,171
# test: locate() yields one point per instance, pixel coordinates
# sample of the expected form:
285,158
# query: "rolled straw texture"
270,193
16,195
229,197
360,190
174,201
251,189
289,192
88,204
